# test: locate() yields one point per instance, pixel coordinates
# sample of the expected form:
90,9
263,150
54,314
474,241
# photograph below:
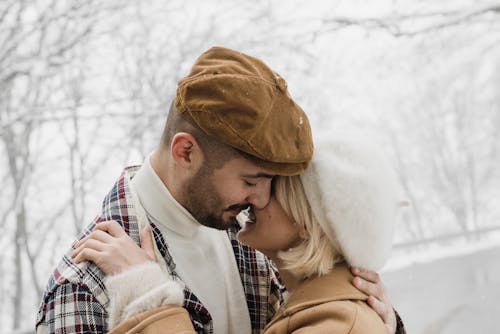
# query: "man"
232,127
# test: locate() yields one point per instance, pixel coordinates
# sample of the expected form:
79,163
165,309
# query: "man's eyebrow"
258,175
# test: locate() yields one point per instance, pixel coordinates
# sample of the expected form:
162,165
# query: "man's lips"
235,212
236,209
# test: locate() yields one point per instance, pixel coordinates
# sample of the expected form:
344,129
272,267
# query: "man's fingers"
87,254
379,307
367,287
386,312
370,283
111,227
368,275
147,242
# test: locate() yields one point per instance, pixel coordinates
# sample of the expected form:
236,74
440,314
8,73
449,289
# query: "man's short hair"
215,153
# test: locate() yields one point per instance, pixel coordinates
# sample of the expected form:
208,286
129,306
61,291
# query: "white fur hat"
354,194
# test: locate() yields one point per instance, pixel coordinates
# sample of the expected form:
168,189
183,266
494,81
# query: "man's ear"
184,149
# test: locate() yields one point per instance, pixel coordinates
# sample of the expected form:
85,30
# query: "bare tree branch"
393,24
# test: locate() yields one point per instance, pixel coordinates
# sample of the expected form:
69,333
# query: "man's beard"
203,203
218,223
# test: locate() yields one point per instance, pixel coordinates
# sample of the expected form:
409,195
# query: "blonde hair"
316,255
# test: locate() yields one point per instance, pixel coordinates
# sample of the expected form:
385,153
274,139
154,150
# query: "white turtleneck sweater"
203,256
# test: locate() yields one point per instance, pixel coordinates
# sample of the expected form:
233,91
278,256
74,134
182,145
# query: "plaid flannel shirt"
75,299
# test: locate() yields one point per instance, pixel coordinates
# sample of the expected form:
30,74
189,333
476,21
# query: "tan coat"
327,304
159,320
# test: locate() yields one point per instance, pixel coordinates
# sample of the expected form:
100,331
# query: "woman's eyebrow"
258,175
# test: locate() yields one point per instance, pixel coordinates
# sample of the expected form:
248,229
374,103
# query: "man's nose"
260,195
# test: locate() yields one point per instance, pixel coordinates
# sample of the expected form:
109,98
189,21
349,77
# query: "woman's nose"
260,196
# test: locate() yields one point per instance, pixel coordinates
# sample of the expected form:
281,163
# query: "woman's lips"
251,216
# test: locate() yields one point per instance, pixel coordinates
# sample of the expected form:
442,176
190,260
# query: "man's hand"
112,250
369,282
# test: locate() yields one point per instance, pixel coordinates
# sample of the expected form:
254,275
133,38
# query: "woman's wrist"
139,288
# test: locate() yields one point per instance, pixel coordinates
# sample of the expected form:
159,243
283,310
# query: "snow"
456,294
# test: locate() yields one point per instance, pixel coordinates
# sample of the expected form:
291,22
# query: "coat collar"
333,286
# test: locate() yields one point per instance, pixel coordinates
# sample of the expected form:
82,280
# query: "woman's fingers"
87,254
90,244
147,245
111,227
112,250
96,235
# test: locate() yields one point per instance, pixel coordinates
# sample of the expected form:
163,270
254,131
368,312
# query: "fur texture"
139,289
354,194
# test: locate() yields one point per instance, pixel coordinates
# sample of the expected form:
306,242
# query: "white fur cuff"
139,289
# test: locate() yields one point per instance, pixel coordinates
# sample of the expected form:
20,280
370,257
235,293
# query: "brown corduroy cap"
241,102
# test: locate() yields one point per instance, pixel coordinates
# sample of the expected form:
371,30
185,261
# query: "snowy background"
85,87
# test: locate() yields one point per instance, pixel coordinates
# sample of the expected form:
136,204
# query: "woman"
339,213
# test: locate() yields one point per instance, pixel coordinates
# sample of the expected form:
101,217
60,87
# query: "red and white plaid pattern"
75,299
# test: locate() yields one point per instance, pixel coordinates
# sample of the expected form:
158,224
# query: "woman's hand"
112,250
369,282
